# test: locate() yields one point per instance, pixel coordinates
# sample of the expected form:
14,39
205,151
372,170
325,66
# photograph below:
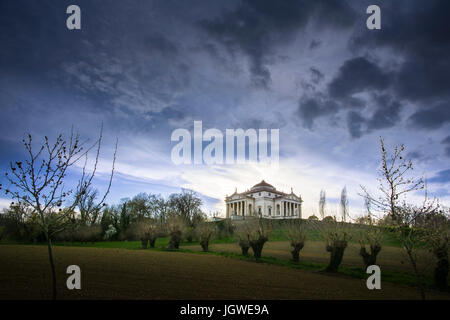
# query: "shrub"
110,232
147,230
372,237
176,227
205,230
336,236
92,233
245,245
244,242
297,236
80,233
328,219
190,234
257,233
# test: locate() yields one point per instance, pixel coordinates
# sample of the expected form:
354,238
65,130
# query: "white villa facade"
263,200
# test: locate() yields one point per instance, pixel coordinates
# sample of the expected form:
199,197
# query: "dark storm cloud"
446,142
355,124
255,28
419,32
313,108
386,114
358,75
160,43
316,75
431,118
314,44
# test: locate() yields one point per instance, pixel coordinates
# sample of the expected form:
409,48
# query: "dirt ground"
147,274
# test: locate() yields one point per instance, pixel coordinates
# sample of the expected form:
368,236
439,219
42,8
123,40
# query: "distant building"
263,200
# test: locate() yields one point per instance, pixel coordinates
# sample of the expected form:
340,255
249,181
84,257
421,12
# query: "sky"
311,69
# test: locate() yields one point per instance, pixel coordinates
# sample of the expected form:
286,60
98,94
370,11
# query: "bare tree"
336,235
88,206
437,234
187,205
395,183
258,232
147,230
176,227
39,182
205,230
243,236
297,236
371,236
89,211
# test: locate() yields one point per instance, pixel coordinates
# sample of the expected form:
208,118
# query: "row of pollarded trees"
176,228
417,227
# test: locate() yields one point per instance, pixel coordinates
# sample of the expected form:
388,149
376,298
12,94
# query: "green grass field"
113,273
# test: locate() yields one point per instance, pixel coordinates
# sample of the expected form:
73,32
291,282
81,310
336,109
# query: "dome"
263,185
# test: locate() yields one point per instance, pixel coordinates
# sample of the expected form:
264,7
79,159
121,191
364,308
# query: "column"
300,210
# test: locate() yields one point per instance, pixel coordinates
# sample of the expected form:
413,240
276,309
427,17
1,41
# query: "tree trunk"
152,242
418,276
175,239
336,249
296,247
204,243
52,265
442,267
244,247
370,258
144,243
257,246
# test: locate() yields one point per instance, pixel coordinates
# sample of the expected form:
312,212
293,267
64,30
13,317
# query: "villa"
264,201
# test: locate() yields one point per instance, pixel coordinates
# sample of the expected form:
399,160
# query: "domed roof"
263,185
